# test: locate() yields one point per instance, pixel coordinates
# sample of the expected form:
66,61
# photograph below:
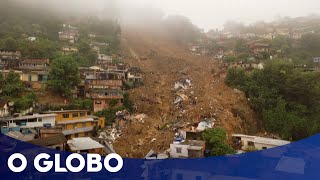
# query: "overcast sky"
209,14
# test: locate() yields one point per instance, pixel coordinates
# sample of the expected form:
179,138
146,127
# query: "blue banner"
298,160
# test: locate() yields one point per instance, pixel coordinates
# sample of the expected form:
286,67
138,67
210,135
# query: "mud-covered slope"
163,63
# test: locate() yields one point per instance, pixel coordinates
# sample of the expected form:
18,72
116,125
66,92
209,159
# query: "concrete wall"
173,151
38,123
261,146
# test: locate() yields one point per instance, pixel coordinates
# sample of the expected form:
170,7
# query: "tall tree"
63,75
216,140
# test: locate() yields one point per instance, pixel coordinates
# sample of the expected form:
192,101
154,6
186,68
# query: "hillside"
163,63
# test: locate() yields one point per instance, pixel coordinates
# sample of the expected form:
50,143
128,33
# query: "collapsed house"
188,141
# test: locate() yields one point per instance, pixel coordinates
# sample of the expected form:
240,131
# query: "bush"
216,140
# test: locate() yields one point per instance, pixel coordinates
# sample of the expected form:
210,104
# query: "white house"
32,121
103,59
258,143
187,149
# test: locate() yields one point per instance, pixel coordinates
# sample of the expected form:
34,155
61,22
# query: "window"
32,120
75,115
75,125
83,124
82,114
65,115
178,150
39,120
250,143
264,147
76,135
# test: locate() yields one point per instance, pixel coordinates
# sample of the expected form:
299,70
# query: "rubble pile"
179,90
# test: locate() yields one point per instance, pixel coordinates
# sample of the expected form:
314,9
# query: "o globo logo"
92,159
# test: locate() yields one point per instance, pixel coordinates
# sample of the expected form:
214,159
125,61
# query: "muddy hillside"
179,89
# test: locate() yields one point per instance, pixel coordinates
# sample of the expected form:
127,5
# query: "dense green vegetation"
16,26
63,75
216,141
287,98
12,89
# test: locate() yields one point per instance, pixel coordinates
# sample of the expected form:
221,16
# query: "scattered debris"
182,84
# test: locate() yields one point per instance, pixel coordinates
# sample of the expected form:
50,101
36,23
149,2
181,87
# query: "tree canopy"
288,99
216,140
63,75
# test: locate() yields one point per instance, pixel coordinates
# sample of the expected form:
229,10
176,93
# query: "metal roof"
83,143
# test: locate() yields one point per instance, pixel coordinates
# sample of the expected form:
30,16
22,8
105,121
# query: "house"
31,39
4,108
134,74
57,142
69,50
101,86
9,59
99,44
246,66
258,48
31,121
104,59
70,35
187,149
34,70
102,97
195,131
85,145
259,143
49,131
316,59
75,123
91,35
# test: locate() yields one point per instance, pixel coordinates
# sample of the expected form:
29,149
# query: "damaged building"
101,86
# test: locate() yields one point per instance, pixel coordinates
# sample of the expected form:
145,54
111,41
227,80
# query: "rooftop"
83,143
263,140
35,61
30,117
76,121
20,136
48,141
66,111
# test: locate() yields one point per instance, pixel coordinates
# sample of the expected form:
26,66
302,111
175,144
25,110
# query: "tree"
216,140
235,77
63,75
12,86
311,43
287,98
241,47
10,44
